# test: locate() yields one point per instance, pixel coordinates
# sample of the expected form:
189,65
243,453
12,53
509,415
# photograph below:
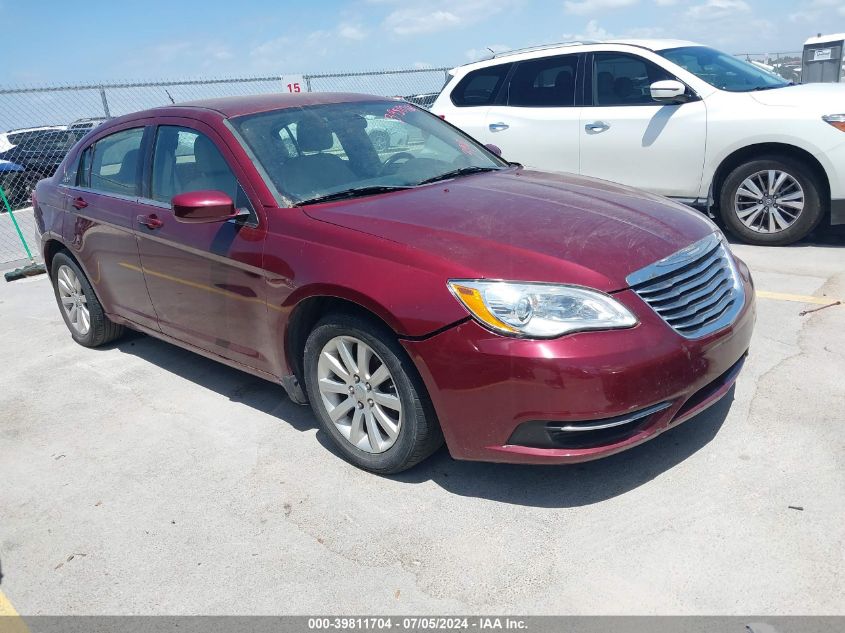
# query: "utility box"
823,60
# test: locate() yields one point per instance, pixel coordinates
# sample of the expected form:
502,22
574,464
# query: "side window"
545,82
186,160
620,79
83,176
115,163
481,86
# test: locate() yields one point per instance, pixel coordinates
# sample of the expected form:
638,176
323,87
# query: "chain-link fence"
44,122
787,65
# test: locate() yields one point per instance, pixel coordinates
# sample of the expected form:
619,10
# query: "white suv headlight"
836,120
537,310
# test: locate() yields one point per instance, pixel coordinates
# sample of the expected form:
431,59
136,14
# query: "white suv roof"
566,47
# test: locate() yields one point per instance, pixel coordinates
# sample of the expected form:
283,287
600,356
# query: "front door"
205,280
627,137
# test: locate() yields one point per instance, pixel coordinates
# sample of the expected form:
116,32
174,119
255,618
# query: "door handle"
498,127
151,221
597,127
79,203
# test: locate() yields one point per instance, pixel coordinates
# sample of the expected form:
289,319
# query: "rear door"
472,97
538,119
102,204
205,280
629,138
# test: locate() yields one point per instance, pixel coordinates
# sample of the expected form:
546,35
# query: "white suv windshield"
723,71
321,152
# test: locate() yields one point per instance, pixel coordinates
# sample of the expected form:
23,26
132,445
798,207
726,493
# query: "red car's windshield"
319,152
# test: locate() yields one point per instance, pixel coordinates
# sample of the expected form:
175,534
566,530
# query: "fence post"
105,102
307,83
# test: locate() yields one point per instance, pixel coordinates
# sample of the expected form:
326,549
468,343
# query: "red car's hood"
528,226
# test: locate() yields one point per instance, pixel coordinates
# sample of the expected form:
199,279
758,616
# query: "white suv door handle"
597,127
498,127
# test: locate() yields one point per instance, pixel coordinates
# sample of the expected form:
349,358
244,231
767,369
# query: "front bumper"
484,386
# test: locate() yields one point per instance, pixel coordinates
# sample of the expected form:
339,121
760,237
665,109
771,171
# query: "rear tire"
82,311
759,201
384,427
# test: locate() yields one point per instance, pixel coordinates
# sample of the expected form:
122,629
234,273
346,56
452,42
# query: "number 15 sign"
293,83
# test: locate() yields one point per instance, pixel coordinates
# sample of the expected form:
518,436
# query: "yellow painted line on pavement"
780,296
10,620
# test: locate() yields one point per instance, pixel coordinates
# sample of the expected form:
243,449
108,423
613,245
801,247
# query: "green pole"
15,222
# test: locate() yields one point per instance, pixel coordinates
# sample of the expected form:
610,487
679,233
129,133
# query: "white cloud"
816,10
592,31
416,21
718,9
591,7
440,15
351,31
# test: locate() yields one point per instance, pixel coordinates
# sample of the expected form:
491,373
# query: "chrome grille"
697,290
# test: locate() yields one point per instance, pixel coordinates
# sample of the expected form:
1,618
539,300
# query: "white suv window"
546,82
620,79
481,86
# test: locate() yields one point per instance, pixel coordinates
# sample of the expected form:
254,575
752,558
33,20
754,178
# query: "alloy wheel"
359,394
769,201
73,300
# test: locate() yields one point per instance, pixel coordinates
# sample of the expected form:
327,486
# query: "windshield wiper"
458,172
761,88
352,193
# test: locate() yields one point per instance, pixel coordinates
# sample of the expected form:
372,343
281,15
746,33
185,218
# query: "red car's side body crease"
231,292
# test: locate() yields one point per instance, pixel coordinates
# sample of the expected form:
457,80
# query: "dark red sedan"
411,293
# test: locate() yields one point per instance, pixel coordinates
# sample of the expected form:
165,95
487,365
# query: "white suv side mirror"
668,91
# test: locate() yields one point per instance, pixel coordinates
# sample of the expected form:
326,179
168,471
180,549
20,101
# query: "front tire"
380,140
771,201
368,396
83,314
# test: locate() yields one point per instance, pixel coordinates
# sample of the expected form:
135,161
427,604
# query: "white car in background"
13,138
674,118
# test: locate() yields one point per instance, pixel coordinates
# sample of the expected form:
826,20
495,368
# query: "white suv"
671,117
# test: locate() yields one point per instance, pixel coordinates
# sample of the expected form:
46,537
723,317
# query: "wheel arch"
770,150
308,310
52,247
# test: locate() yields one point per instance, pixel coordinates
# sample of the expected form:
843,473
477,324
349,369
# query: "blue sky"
62,41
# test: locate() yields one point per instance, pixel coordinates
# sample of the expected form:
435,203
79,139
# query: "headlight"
539,310
836,120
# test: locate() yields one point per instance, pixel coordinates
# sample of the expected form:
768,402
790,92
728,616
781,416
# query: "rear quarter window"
480,87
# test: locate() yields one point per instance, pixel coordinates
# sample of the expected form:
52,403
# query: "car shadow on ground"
537,486
238,386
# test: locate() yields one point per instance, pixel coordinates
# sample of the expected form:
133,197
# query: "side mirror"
198,207
495,149
669,91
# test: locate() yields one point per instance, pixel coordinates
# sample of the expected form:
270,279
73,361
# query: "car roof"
567,47
653,44
252,104
42,128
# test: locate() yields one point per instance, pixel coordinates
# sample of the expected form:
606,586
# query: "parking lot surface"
141,478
